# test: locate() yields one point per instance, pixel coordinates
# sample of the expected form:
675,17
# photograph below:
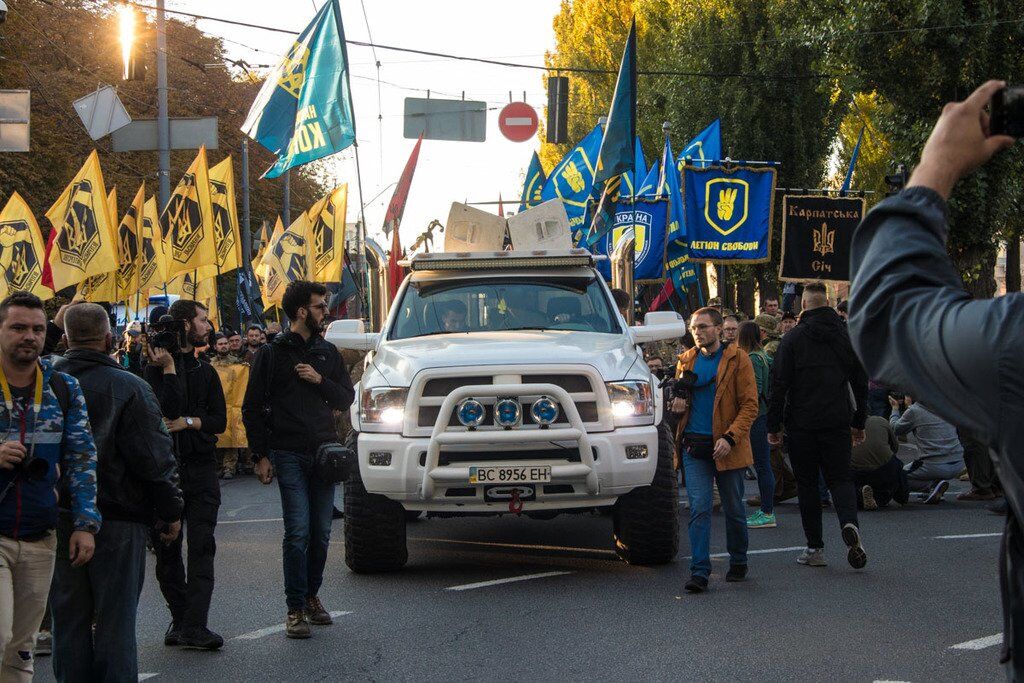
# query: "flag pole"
361,238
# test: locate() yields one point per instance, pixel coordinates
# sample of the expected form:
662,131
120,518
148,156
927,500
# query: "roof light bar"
502,260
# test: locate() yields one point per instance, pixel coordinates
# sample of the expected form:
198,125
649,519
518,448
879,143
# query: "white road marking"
518,546
956,536
250,521
883,680
498,582
979,643
763,551
146,677
278,628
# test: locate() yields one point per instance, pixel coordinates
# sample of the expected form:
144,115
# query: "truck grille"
475,457
584,386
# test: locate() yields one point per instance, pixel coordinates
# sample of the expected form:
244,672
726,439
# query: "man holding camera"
962,354
192,403
93,615
715,423
46,437
295,383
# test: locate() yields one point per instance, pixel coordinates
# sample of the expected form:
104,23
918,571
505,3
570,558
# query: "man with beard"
192,403
254,339
235,343
298,379
48,440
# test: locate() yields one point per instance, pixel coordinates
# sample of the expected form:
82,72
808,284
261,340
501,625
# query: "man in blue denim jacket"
47,445
916,329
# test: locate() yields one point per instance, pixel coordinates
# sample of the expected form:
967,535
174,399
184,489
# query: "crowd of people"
782,398
112,448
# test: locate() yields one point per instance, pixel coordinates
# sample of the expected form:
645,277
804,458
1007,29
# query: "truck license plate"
510,474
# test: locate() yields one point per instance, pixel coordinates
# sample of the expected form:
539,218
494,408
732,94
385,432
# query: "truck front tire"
374,527
646,520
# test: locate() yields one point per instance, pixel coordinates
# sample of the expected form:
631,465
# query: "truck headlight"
544,411
508,413
631,399
470,412
384,406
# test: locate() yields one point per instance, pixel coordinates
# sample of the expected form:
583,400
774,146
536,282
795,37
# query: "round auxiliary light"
470,412
544,411
508,412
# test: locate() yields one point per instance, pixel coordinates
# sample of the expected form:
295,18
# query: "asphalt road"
925,608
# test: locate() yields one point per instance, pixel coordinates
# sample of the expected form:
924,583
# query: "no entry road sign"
518,122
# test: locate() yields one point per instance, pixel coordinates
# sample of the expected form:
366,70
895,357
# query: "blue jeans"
700,475
307,505
105,591
763,463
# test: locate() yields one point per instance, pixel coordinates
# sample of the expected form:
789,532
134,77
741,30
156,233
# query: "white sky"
447,171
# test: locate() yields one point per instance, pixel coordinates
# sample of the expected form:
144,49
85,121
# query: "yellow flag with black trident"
186,223
328,241
152,260
128,242
103,288
21,251
225,221
81,217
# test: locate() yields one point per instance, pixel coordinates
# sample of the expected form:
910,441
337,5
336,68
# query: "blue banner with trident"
728,213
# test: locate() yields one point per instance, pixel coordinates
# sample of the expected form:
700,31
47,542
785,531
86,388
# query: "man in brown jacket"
715,428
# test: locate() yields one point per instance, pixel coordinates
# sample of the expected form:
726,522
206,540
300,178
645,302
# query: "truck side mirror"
351,334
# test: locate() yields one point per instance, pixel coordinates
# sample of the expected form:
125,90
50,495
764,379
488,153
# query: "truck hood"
612,355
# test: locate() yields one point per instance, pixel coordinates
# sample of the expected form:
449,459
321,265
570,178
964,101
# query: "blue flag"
304,110
640,170
703,149
573,179
729,213
617,154
533,186
853,161
644,219
677,247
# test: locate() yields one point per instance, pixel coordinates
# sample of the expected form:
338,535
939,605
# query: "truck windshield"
494,305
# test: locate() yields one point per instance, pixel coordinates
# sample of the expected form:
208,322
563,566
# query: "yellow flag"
186,224
103,288
258,265
81,217
329,237
21,251
128,242
225,221
152,260
286,258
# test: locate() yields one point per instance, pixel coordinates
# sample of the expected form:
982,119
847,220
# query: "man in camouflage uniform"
47,434
770,337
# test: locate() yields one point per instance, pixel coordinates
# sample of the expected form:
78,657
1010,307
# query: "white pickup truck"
507,382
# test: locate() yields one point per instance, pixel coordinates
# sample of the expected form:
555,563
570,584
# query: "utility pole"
246,231
163,125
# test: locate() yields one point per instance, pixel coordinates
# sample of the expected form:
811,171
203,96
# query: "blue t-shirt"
703,409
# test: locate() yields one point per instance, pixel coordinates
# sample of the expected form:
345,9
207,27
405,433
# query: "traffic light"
896,180
558,109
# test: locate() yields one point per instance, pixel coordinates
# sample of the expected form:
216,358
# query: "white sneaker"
813,557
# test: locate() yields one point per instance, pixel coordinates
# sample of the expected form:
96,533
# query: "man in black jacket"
295,383
192,403
814,373
137,490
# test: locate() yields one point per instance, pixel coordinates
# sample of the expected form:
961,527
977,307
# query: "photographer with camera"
94,617
47,444
716,397
916,328
192,403
295,383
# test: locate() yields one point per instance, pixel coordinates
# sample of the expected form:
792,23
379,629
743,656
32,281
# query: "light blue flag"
304,110
533,185
573,178
853,161
703,149
677,246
